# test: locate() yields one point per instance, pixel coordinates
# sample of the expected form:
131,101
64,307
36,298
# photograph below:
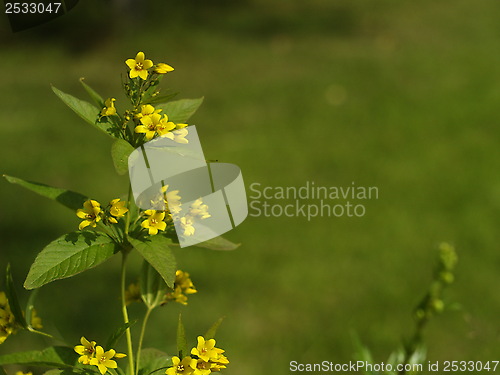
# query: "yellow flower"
219,363
203,367
117,210
109,109
103,360
23,373
178,136
164,126
184,367
7,320
36,321
154,222
182,286
187,225
172,199
147,110
133,294
183,280
162,68
154,123
198,209
91,213
139,66
86,350
176,296
206,349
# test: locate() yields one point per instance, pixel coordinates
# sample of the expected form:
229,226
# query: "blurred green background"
401,95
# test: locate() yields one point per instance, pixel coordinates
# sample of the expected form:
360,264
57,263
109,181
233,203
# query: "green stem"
125,315
141,338
32,330
129,202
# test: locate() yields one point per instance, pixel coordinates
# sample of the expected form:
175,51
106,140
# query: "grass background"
395,94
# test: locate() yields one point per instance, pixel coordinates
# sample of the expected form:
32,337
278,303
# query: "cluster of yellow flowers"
148,120
8,325
172,200
93,355
205,358
139,67
92,213
183,286
153,124
7,320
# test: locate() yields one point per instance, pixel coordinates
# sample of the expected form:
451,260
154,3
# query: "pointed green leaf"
120,151
179,111
113,339
153,361
15,307
87,112
93,94
54,356
213,330
156,250
153,288
69,255
181,339
67,198
218,243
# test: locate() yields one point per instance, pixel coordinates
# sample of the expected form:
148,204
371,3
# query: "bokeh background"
401,95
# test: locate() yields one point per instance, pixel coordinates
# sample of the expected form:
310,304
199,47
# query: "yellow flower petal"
147,64
143,74
130,63
140,129
140,57
133,73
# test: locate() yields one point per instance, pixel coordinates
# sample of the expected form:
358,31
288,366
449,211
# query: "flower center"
154,221
180,368
138,66
103,359
90,216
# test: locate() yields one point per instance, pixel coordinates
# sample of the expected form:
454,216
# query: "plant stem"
129,198
125,315
141,338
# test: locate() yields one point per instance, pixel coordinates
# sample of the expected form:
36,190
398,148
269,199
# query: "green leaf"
87,112
218,243
113,339
213,330
156,250
30,306
179,111
153,360
362,353
69,255
181,339
98,100
15,307
120,151
67,198
54,356
153,288
2,371
160,99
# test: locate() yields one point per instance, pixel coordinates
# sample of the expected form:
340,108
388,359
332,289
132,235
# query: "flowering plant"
121,227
